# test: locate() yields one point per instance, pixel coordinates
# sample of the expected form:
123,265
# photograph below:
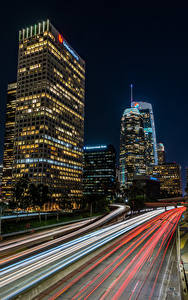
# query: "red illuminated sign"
60,38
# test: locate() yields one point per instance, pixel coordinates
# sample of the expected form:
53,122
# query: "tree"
41,195
186,189
20,193
95,203
33,194
3,206
64,199
136,197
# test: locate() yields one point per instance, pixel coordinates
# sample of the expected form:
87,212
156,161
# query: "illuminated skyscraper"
186,174
49,120
161,154
132,147
99,170
149,129
169,175
9,142
1,173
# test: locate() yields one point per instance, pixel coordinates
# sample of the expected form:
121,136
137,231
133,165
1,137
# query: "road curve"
22,275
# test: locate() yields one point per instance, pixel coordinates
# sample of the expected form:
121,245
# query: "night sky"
126,43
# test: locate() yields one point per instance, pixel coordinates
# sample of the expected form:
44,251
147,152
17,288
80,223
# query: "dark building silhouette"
99,170
147,186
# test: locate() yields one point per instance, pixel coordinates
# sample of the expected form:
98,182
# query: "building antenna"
131,86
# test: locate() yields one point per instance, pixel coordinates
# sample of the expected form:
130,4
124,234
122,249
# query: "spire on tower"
131,86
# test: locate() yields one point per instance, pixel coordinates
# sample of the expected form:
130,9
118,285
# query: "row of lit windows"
61,105
56,167
53,38
44,175
68,85
69,95
49,142
40,46
60,56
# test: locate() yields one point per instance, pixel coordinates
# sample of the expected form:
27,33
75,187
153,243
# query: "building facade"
132,147
1,176
99,170
161,154
169,175
49,117
149,129
8,157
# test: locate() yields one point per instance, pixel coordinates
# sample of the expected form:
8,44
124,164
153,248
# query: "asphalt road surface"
133,269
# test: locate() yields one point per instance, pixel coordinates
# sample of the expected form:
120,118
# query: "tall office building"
99,170
186,174
149,128
9,142
49,119
161,154
132,147
1,173
169,175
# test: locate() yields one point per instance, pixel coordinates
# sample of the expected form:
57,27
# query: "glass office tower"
7,189
149,128
99,170
132,147
49,119
169,175
161,154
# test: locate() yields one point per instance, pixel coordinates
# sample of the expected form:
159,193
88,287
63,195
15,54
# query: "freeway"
75,229
25,273
32,239
135,267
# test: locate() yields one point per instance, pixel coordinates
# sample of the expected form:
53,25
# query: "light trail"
20,243
52,262
108,230
167,246
137,242
129,237
6,245
78,243
141,257
156,257
126,240
161,231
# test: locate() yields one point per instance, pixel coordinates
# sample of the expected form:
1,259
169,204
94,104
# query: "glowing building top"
146,110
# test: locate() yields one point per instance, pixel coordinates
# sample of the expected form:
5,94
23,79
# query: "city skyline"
156,82
93,160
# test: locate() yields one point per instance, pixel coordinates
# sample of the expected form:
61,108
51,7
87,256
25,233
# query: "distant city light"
60,38
136,105
154,178
148,129
95,147
70,50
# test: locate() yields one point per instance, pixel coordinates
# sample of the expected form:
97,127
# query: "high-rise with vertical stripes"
132,147
49,117
7,182
146,111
